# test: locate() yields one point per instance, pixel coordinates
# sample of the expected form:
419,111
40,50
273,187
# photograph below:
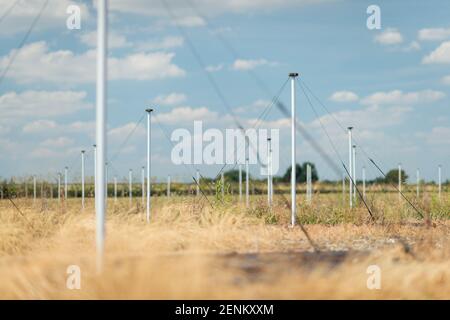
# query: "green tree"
392,176
300,172
232,175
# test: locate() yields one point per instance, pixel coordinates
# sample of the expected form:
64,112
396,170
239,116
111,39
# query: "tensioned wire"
23,41
360,147
336,152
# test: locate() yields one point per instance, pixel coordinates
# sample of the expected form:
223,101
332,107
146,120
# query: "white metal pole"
399,181
115,189
65,182
271,172
354,172
343,187
293,156
59,186
240,182
143,185
247,200
149,168
101,118
168,185
130,186
34,188
439,180
268,175
364,181
308,182
82,179
197,177
350,166
417,183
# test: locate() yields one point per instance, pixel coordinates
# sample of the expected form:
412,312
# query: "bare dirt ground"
193,251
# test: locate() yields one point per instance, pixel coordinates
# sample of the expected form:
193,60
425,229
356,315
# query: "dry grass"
191,251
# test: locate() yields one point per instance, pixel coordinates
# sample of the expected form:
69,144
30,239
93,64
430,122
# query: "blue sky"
391,84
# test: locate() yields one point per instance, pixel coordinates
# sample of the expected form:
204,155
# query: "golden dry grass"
191,251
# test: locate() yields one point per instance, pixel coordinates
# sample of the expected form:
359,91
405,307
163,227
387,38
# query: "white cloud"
182,8
413,46
241,64
50,126
256,105
186,115
81,126
214,68
45,153
446,80
163,44
39,126
434,34
389,37
59,142
120,133
403,98
42,103
440,55
54,16
344,96
115,40
171,99
437,136
190,21
64,66
372,117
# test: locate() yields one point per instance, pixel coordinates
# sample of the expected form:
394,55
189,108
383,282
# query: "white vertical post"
240,182
364,181
59,186
197,177
343,187
82,179
354,173
308,183
269,202
115,189
271,172
143,185
34,188
293,155
65,182
439,180
149,168
399,181
417,183
247,200
130,186
350,165
168,185
222,182
101,118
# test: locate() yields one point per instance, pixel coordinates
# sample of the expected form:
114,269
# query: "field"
195,249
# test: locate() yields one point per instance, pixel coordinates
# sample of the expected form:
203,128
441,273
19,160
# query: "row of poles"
353,180
100,174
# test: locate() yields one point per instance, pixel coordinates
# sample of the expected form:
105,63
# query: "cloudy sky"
391,84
